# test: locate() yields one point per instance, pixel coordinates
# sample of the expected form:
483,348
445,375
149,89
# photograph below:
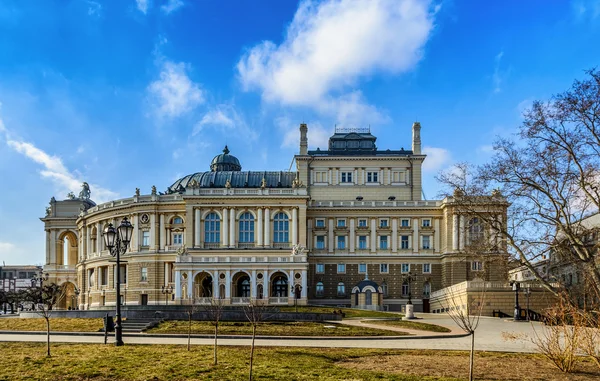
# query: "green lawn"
27,361
349,312
409,324
271,329
56,325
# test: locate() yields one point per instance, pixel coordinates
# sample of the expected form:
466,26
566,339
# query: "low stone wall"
181,314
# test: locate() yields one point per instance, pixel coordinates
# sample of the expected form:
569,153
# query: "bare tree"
46,298
215,311
550,175
256,314
190,310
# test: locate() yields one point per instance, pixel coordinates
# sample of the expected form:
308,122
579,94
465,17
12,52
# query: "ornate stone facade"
308,236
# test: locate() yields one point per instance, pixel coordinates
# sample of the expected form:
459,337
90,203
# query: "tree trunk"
48,336
252,349
471,357
189,330
215,350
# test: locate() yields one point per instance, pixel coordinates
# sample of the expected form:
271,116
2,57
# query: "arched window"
246,228
368,297
320,289
475,230
280,287
426,289
281,228
177,220
341,289
212,228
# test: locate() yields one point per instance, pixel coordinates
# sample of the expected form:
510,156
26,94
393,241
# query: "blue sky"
133,93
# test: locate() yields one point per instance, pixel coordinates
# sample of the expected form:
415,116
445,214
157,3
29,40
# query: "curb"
260,337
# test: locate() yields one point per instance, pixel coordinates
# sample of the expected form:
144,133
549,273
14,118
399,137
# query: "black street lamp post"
517,315
297,295
409,278
117,241
167,290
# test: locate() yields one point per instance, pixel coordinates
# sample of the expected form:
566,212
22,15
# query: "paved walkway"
490,336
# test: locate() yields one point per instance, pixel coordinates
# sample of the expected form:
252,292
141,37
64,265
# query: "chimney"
416,138
303,139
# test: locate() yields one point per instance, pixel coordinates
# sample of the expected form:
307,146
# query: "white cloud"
174,94
54,169
329,46
586,9
497,77
318,136
7,248
225,118
94,8
142,5
171,6
436,158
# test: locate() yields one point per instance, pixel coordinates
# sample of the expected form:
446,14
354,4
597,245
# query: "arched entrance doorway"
66,251
69,298
241,282
279,285
203,285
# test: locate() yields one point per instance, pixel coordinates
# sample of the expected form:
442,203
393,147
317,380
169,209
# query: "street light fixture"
167,290
117,241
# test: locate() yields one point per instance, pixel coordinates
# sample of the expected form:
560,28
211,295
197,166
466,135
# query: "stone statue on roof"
227,184
85,191
263,183
137,192
153,190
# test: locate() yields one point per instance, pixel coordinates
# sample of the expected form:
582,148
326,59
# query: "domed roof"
365,283
225,162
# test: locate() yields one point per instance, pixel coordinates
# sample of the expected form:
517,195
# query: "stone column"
352,237
153,232
266,285
88,241
48,247
294,226
166,282
463,233
416,243
330,238
253,284
216,287
232,227
177,284
135,238
394,235
163,232
98,237
309,234
197,224
228,284
302,235
304,284
225,237
188,236
455,232
373,235
259,227
190,284
267,227
436,235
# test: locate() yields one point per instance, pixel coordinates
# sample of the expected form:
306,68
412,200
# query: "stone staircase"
137,325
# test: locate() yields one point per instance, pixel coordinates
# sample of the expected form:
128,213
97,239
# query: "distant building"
306,236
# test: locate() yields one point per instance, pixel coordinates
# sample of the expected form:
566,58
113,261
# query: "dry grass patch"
348,312
408,324
56,324
488,366
271,329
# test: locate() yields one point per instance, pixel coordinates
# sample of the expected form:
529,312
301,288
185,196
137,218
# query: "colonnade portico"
235,284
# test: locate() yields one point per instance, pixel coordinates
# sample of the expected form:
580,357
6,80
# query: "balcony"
212,245
172,247
203,301
279,300
238,300
246,245
281,245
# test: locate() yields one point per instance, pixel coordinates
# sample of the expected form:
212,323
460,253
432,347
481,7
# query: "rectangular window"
426,242
362,223
383,242
341,223
405,222
144,274
372,177
177,239
362,268
405,289
320,243
103,276
320,223
320,268
341,268
341,242
146,238
476,266
404,242
123,274
405,268
383,268
427,268
320,176
362,242
398,177
383,223
427,223
346,177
